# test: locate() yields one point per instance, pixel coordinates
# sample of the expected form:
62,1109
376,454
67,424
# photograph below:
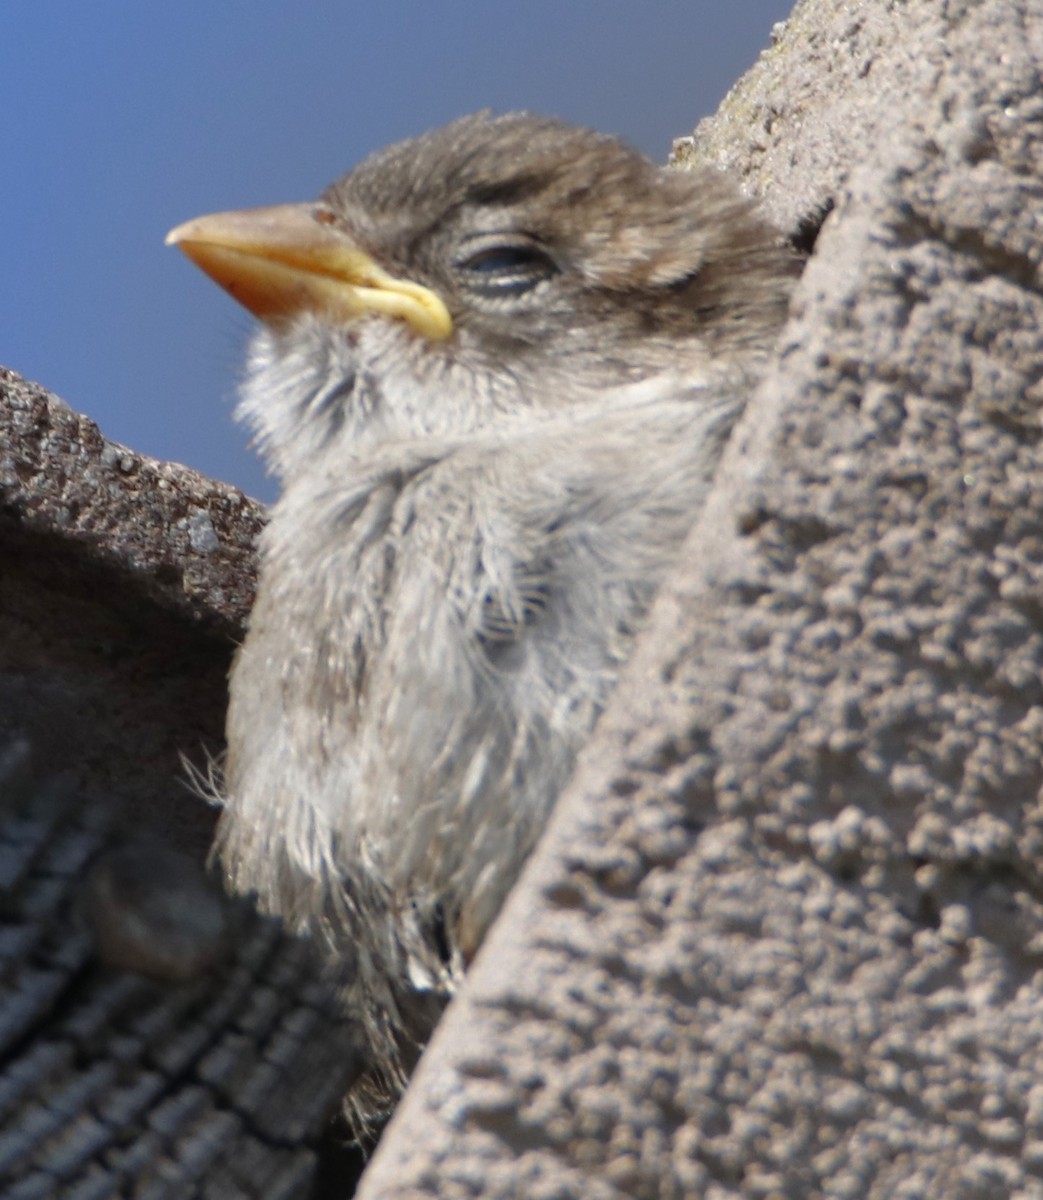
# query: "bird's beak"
294,258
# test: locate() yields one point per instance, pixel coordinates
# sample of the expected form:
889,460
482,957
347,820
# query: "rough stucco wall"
840,79
783,937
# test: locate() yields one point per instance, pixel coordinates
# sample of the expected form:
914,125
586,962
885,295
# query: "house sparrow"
496,369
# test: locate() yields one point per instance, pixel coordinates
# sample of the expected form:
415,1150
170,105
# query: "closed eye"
505,268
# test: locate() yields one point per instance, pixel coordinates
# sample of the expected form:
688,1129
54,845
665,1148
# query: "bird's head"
497,266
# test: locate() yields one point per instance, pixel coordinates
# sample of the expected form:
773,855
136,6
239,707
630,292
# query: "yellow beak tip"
282,260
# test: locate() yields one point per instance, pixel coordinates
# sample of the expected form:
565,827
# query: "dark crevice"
805,236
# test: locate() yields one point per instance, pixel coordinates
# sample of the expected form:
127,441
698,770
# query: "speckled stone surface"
783,938
177,537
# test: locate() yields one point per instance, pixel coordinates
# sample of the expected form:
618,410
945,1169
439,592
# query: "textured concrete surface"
167,532
784,936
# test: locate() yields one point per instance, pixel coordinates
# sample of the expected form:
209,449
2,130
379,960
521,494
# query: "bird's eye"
505,268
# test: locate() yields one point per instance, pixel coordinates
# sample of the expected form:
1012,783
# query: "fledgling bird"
497,367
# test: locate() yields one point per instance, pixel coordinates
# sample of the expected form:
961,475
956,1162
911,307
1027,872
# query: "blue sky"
120,120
